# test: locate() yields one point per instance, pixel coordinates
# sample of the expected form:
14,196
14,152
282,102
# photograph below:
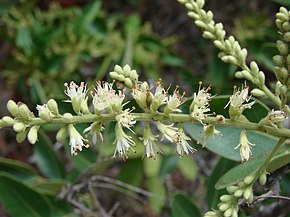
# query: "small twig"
114,208
125,185
278,197
96,201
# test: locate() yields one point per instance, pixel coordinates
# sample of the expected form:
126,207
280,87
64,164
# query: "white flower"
126,119
44,112
78,96
95,129
202,98
168,131
151,148
236,101
210,131
173,102
106,97
245,147
76,141
159,97
123,143
182,146
142,95
199,113
277,116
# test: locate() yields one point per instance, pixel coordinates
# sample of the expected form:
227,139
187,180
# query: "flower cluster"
200,103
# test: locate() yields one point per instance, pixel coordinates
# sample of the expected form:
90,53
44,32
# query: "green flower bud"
228,212
200,24
193,15
219,44
286,26
282,16
232,189
189,6
114,75
208,35
284,73
283,11
128,83
251,197
61,134
283,89
261,77
76,104
238,193
126,70
247,75
258,93
229,59
282,47
226,198
21,136
68,118
235,213
24,111
247,193
223,206
239,75
286,36
278,60
200,3
12,108
32,135
254,67
288,58
249,179
120,77
19,127
134,76
211,214
209,16
8,121
144,86
53,107
118,69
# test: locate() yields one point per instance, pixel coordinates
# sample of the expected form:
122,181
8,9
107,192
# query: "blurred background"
45,43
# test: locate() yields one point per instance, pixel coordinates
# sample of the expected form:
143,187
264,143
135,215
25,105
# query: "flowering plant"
163,119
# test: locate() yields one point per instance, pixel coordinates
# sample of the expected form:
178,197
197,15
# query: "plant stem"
266,162
175,118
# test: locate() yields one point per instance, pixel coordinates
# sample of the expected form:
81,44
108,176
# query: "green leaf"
49,187
24,40
169,163
47,159
20,200
182,206
213,195
187,167
279,160
239,172
282,2
225,145
130,172
16,168
152,166
156,186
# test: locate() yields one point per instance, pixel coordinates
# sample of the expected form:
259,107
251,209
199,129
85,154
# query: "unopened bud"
229,59
249,179
228,212
286,26
226,198
282,47
223,206
12,107
24,112
61,134
114,75
19,127
219,44
247,193
208,35
238,193
263,178
32,135
67,117
118,69
258,93
232,189
8,121
128,83
126,70
52,106
254,67
278,60
21,136
134,76
261,77
286,36
200,24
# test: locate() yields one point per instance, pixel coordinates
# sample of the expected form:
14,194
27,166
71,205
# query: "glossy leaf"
225,145
239,172
49,187
47,159
182,206
16,168
279,160
20,200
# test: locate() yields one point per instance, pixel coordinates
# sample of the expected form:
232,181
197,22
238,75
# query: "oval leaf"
225,145
21,200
